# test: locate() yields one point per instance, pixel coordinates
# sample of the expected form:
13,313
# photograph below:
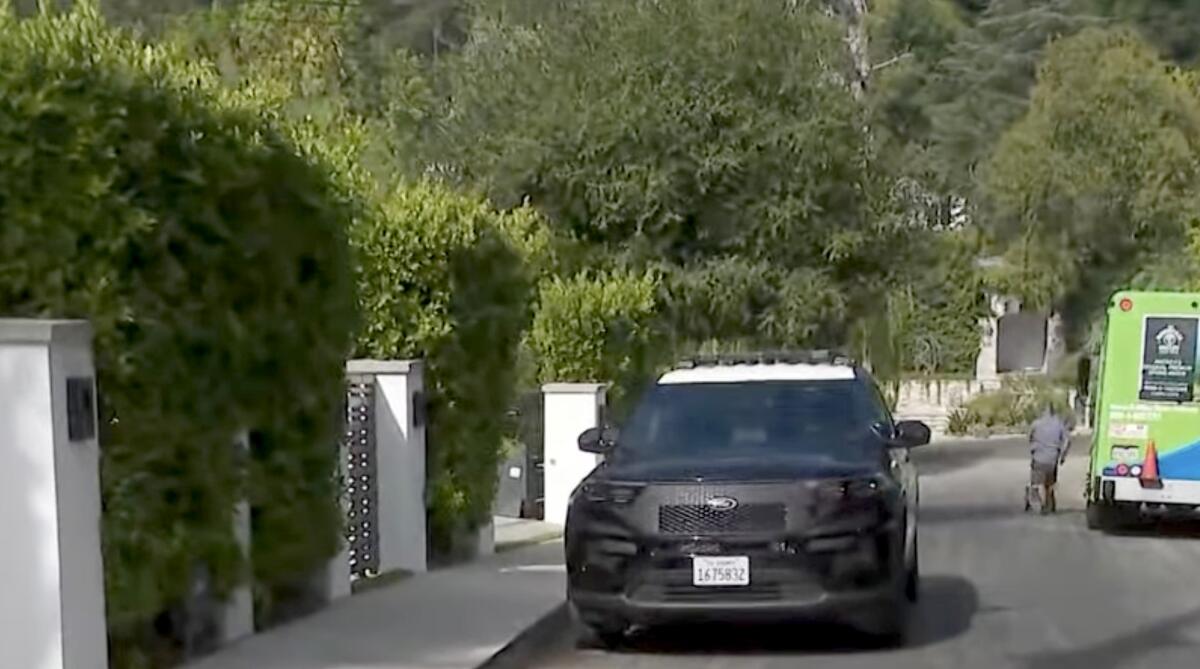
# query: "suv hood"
730,469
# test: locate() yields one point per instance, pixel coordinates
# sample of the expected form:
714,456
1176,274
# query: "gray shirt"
1048,439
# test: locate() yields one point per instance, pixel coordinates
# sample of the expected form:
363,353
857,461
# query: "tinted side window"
878,405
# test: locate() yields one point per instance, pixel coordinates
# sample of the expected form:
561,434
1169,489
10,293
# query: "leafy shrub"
959,421
934,314
213,265
1014,406
446,278
756,303
597,328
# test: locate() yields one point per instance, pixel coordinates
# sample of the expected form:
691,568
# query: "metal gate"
521,486
358,447
1021,341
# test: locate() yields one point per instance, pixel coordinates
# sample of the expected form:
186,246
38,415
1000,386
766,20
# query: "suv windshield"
828,420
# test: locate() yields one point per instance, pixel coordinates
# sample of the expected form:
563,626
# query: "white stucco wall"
570,408
52,613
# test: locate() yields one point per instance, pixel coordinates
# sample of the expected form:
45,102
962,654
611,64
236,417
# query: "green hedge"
213,264
441,276
597,328
446,278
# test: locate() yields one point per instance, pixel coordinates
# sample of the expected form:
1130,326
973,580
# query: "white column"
237,614
51,576
399,462
1055,342
985,362
570,409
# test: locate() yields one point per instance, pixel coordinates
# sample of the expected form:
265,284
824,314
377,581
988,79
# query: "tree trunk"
854,13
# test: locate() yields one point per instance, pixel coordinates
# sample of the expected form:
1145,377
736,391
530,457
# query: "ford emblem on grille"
722,503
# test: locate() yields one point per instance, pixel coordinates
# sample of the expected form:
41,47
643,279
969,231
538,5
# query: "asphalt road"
1001,589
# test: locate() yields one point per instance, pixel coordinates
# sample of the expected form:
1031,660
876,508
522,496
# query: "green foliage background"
446,278
598,328
1100,178
208,257
532,190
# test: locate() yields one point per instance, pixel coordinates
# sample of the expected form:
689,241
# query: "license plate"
726,571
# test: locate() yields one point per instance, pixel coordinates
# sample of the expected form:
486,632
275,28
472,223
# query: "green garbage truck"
1146,441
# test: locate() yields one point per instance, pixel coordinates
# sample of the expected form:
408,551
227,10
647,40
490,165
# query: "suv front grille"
697,519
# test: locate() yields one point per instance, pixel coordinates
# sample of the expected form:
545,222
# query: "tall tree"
982,85
1171,25
708,136
1101,177
666,130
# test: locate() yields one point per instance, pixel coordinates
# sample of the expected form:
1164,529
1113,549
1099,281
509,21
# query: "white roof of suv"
758,372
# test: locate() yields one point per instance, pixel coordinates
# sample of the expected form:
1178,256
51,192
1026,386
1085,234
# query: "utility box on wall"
52,613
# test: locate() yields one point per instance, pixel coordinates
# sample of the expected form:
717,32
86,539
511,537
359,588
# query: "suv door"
902,468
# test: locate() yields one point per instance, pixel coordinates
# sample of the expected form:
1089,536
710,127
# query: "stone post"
52,610
570,409
237,614
399,461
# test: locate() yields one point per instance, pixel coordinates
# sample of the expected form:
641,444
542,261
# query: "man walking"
1049,440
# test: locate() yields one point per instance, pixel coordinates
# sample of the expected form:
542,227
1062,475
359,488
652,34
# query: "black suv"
749,488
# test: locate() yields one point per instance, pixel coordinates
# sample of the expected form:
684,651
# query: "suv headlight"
852,490
609,492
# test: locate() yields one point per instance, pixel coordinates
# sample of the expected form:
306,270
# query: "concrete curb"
545,537
520,652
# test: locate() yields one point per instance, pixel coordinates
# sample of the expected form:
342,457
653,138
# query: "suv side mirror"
598,440
912,433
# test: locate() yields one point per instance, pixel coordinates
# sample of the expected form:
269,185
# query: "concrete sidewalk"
454,618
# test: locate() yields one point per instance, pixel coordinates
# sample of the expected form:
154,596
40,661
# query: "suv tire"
912,584
887,625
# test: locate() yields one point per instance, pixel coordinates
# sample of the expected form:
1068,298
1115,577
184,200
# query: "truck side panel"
1147,442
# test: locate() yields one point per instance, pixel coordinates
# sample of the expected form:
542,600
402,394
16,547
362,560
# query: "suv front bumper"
840,579
848,607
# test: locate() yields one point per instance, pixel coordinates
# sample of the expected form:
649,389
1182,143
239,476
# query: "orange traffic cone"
1149,475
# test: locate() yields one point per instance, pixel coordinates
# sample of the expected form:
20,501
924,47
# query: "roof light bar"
811,357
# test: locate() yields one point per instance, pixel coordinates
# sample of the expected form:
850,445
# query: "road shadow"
1161,528
949,456
1121,649
975,513
947,608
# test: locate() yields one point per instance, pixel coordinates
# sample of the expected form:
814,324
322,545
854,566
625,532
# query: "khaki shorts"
1040,474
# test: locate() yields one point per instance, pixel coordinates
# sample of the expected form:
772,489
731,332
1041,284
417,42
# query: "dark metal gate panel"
511,486
1020,342
531,433
362,537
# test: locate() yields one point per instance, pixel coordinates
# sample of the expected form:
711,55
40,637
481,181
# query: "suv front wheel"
912,585
887,624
